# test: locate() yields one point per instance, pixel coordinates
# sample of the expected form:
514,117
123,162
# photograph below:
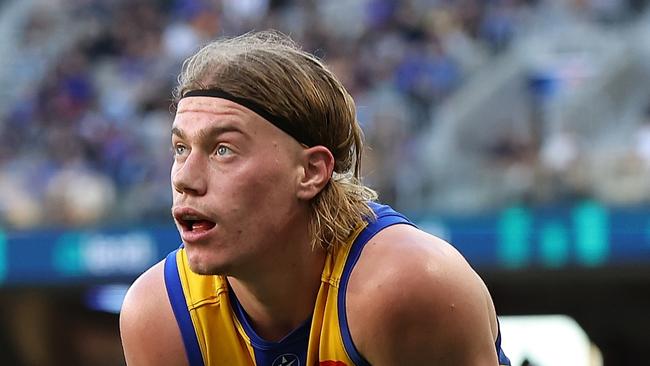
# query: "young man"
286,261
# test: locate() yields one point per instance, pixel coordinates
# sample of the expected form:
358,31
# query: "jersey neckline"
299,334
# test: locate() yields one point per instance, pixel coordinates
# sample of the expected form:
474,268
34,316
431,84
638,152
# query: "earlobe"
318,165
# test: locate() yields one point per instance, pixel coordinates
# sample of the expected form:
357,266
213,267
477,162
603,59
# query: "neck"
280,293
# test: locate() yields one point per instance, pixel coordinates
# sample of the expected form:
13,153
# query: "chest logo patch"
287,359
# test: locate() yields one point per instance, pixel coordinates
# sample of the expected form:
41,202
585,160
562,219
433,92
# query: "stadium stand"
469,107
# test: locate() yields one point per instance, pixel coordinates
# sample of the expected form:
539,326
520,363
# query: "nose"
188,177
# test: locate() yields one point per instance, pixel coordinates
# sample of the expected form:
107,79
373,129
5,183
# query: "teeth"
190,217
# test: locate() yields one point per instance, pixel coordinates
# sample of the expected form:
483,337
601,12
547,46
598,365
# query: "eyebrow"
209,132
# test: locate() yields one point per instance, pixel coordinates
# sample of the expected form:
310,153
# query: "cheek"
258,188
266,186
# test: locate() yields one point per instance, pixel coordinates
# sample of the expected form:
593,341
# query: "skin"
254,184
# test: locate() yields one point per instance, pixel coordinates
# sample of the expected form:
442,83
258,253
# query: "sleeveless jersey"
216,329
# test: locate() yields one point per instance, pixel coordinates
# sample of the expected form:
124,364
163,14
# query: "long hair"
271,70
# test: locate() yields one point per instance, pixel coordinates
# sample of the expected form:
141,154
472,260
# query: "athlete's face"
234,183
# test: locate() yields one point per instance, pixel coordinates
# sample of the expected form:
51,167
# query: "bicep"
148,328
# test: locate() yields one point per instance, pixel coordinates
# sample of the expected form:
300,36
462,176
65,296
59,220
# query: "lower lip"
195,236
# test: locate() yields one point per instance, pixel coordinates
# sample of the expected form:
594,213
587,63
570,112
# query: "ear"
318,165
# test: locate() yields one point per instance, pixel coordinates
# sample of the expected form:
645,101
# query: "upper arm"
422,306
150,335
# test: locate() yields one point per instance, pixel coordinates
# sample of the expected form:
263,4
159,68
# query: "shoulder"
413,299
150,335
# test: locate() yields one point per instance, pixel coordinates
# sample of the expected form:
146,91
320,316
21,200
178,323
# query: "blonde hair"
271,70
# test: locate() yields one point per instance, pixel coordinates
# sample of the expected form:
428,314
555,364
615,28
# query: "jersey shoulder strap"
385,217
181,312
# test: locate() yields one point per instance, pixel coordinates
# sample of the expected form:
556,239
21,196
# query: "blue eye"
223,150
179,149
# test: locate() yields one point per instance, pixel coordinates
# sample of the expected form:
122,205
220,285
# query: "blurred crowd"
89,143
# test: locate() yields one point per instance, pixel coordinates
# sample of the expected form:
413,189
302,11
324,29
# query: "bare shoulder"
413,299
148,328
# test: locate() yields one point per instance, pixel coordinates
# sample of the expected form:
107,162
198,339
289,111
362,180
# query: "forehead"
203,114
200,114
209,108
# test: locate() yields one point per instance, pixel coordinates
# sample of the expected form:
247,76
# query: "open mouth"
196,224
192,222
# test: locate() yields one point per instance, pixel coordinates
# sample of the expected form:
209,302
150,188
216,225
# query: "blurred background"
519,130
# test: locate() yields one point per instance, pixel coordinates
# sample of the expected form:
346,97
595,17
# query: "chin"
203,271
202,265
206,269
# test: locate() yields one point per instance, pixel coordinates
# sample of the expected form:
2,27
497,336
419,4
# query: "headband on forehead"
278,121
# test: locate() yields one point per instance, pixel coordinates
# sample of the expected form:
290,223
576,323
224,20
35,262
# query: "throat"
269,329
279,293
